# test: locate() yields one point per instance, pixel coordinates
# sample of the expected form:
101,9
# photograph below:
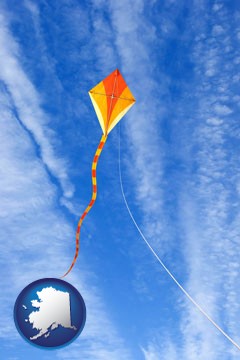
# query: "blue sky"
180,168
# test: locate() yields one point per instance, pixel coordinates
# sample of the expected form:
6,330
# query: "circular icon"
49,313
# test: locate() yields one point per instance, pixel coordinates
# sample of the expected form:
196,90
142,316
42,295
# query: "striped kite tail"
93,199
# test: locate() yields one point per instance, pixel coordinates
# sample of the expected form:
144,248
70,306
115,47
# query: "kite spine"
91,203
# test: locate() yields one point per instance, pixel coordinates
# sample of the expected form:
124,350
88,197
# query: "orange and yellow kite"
111,99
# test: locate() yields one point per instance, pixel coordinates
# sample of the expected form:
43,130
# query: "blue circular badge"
49,313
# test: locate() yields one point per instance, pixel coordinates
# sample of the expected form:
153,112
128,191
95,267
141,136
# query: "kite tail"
93,199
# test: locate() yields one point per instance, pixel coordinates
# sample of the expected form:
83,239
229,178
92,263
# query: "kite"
111,99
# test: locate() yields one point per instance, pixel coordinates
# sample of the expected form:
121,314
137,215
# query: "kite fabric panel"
111,99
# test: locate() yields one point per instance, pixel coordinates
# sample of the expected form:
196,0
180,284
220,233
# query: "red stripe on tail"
90,205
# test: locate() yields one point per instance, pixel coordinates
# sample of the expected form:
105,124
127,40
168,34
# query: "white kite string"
160,261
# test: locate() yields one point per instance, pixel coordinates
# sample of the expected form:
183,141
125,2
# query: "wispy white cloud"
208,214
165,351
222,109
27,103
